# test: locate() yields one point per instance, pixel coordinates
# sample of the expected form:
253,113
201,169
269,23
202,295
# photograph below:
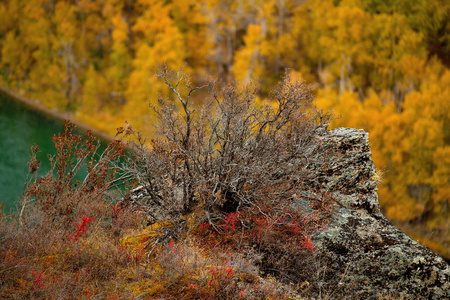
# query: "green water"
21,127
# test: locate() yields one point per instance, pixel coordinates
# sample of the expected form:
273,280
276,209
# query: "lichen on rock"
363,256
360,254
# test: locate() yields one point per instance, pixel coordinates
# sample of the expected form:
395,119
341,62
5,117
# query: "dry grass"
228,178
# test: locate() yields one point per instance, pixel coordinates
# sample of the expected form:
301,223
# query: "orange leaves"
120,28
65,18
248,59
440,181
406,140
382,67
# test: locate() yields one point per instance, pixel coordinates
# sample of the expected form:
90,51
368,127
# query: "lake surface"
21,127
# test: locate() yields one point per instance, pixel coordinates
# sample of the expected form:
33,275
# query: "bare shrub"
62,244
238,164
59,194
228,181
233,152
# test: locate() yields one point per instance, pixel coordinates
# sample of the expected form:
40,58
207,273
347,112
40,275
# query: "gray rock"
361,254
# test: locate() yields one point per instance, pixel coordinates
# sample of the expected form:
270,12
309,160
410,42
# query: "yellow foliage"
246,66
146,287
65,18
120,26
441,184
145,238
379,68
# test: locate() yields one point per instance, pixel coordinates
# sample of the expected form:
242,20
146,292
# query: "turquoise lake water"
21,127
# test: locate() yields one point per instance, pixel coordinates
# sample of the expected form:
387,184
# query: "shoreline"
54,113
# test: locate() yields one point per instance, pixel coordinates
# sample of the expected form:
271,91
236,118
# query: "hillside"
239,199
382,65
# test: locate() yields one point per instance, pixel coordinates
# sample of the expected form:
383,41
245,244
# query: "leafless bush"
233,175
60,194
63,243
234,151
239,164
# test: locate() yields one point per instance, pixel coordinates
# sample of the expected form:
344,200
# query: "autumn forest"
379,65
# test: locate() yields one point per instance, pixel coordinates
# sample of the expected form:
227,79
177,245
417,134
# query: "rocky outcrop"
362,255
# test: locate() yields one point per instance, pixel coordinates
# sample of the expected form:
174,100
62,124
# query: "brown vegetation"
382,65
228,178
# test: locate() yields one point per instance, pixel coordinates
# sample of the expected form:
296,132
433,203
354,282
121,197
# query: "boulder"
361,255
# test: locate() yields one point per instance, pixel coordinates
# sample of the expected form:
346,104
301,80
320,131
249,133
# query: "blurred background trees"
381,65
